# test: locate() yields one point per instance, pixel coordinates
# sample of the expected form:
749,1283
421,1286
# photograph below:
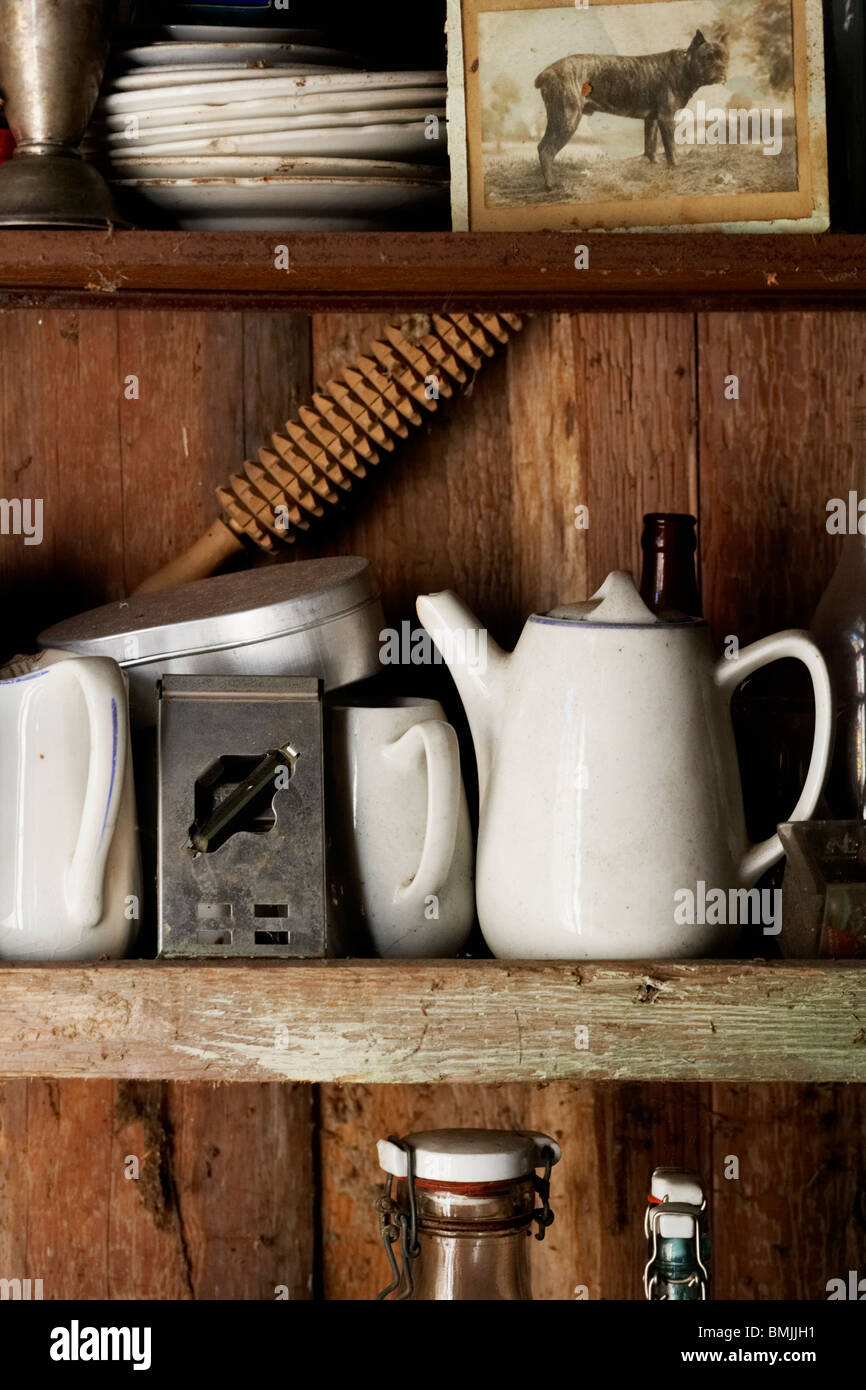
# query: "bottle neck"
678,1277
668,581
474,1241
472,1267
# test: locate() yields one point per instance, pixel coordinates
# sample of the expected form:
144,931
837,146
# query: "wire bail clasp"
543,1215
395,1225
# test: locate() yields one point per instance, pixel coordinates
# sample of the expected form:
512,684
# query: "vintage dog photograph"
635,101
631,114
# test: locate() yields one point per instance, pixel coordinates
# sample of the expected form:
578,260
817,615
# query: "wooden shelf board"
676,270
427,1021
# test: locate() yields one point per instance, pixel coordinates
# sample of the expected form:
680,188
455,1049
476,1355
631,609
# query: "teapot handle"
101,684
731,672
442,752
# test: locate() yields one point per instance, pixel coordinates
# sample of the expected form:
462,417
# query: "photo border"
806,210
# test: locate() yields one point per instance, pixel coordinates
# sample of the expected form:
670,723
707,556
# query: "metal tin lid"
228,610
469,1155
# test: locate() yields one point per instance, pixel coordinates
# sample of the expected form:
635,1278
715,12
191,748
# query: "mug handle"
443,805
105,697
730,672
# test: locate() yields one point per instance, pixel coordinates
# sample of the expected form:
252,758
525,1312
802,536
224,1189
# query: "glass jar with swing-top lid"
459,1210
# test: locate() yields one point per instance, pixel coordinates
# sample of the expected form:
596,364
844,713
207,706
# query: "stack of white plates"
227,127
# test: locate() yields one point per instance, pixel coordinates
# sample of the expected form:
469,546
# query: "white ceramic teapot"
69,867
608,776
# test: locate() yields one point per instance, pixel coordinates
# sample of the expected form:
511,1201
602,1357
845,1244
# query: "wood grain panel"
770,461
796,1216
636,419
124,482
245,1189
148,1230
345,271
276,375
13,1139
127,482
455,1020
547,405
218,1204
184,432
59,433
55,1162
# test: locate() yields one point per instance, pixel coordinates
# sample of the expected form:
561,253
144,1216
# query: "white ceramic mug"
400,852
70,880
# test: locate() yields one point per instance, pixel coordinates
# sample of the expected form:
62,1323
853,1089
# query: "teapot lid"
616,604
468,1155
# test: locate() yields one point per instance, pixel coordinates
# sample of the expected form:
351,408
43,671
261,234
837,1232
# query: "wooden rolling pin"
338,436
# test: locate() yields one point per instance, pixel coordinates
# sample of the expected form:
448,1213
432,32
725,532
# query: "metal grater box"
261,890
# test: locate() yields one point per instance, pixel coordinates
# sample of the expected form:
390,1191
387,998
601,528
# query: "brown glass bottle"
668,584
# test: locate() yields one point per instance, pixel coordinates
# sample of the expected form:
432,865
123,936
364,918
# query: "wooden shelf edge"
428,1021
431,270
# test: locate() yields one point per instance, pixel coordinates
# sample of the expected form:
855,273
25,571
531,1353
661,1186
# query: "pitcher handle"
444,788
101,684
13,898
730,672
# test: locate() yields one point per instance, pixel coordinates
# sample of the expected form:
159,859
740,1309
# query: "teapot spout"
478,666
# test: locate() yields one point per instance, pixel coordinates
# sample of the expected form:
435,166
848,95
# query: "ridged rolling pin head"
52,61
313,464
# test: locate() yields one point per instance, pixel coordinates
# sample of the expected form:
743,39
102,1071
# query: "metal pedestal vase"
52,58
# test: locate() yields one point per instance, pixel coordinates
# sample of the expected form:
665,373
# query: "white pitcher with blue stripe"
70,878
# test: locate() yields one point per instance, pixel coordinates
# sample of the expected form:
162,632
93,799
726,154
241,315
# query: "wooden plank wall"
627,415
125,482
621,414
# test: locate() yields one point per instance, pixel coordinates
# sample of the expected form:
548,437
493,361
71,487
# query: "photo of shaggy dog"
650,88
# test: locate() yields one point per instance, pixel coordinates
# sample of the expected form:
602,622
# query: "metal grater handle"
228,811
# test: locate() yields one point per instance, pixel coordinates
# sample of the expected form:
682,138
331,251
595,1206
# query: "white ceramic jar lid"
469,1155
678,1186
